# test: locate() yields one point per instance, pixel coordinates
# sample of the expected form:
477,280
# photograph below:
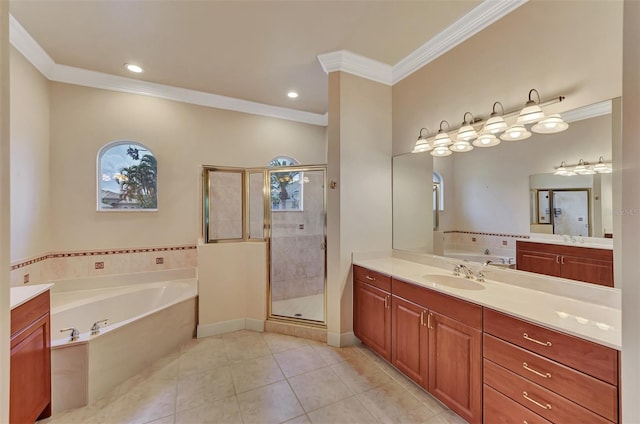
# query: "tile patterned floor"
248,377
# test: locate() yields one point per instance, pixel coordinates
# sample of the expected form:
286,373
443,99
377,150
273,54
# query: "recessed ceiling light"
292,94
133,68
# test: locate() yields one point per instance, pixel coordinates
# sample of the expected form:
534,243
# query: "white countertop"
591,321
22,294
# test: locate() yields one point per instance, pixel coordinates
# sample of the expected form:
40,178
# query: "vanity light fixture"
423,144
515,133
530,116
584,168
496,123
532,112
133,68
550,125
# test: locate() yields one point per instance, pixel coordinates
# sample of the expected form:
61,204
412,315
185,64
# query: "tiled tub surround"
582,310
149,315
471,242
89,263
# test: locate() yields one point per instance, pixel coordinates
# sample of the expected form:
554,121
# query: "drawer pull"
422,318
370,278
543,375
526,396
429,321
526,337
386,302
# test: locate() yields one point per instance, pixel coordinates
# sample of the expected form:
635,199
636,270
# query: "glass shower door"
297,244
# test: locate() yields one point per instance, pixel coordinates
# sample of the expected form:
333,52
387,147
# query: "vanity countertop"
23,294
591,321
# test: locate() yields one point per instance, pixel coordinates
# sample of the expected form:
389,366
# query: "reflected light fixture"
495,123
550,125
532,112
562,169
486,140
292,95
133,68
583,169
422,144
515,132
602,167
441,151
466,131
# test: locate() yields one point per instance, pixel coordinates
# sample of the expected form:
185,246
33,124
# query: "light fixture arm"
531,101
494,113
423,136
440,130
464,119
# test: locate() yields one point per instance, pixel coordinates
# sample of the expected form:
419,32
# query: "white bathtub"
500,261
147,320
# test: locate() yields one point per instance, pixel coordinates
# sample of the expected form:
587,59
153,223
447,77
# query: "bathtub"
499,261
149,316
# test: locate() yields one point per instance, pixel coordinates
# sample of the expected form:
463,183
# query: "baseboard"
342,339
254,324
223,327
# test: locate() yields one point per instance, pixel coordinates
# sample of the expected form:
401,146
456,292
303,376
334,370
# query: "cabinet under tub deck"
486,366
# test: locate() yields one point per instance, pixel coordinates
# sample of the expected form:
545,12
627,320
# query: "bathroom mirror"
486,191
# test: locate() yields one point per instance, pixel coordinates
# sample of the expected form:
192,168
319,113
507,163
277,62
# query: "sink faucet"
467,271
95,328
480,274
74,335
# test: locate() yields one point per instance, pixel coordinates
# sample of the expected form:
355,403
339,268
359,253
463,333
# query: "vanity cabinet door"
538,262
372,317
455,366
30,382
410,339
588,270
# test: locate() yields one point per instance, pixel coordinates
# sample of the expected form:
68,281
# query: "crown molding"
586,112
480,17
35,54
29,48
351,63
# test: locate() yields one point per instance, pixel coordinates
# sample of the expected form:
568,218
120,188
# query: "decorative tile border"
98,252
486,234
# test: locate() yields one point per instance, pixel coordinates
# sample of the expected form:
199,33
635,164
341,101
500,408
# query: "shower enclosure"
285,207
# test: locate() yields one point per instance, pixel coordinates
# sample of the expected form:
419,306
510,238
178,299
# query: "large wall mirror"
492,195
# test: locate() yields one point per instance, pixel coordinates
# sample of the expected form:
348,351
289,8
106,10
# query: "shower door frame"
268,221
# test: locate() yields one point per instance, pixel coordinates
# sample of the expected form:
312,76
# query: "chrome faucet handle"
467,271
480,277
74,335
456,270
95,328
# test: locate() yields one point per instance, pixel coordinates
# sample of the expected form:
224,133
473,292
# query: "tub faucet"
486,251
480,274
75,334
95,328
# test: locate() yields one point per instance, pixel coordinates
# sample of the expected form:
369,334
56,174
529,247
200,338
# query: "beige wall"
630,214
182,137
359,208
5,246
539,45
30,207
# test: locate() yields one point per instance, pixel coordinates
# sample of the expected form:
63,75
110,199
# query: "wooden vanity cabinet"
573,262
30,380
372,310
544,375
437,341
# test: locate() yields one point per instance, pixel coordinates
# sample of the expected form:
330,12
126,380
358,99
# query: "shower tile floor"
307,307
248,377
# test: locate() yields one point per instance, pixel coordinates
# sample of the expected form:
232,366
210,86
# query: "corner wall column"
359,207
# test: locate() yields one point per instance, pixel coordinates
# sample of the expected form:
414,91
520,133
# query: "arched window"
438,191
127,177
286,186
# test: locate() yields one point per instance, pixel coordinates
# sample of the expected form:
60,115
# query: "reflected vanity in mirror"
492,197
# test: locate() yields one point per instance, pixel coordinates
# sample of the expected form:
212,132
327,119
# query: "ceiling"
250,50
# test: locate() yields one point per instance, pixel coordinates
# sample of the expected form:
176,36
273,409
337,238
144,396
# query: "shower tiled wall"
62,266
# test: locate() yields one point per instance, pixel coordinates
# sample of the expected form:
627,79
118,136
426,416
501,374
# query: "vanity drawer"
381,281
593,394
591,358
460,310
499,409
543,402
28,312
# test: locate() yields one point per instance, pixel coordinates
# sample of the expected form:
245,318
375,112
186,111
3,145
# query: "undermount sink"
454,282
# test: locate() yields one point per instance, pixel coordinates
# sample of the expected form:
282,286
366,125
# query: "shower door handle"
323,246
